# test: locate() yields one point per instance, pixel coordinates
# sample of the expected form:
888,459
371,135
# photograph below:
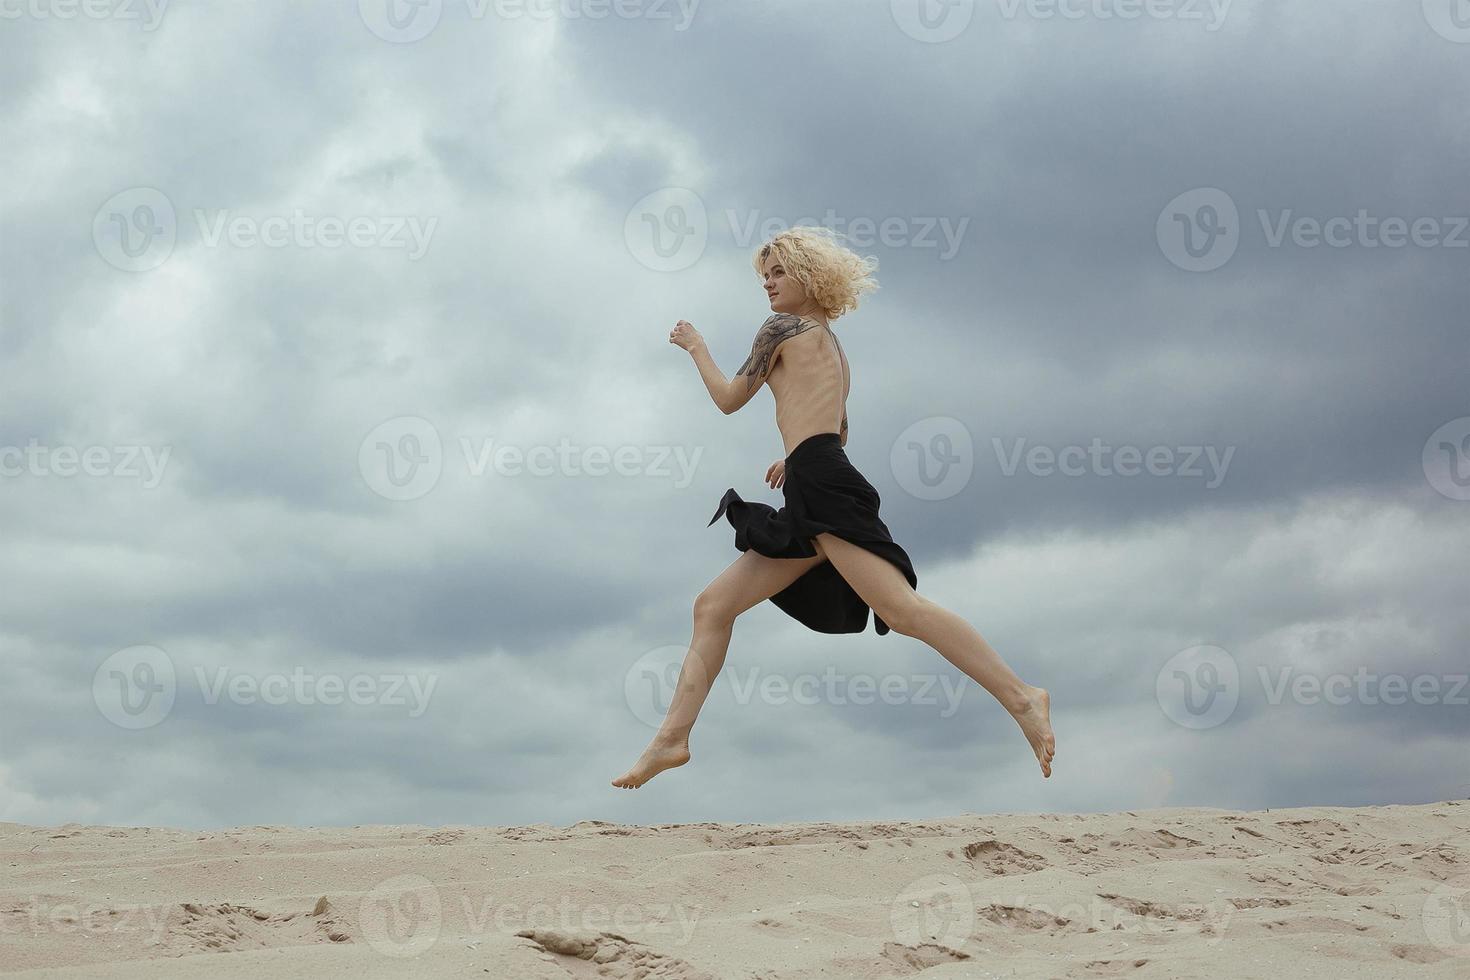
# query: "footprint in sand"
913,959
1000,858
1109,968
1418,954
1313,832
1312,924
227,928
820,834
1153,910
613,956
1024,919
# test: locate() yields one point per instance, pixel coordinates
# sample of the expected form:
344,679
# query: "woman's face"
785,293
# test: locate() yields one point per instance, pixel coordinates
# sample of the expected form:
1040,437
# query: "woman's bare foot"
661,754
1034,717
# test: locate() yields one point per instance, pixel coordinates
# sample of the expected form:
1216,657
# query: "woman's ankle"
672,737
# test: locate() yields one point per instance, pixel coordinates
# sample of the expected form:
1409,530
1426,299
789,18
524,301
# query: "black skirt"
824,493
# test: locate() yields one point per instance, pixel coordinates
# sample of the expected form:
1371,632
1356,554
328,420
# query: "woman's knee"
712,607
905,615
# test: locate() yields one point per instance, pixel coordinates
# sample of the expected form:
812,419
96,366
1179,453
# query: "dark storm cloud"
1064,175
1027,294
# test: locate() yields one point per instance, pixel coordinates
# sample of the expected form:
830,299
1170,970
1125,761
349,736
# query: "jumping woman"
825,558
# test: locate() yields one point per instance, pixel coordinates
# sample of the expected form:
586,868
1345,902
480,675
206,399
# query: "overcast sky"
349,476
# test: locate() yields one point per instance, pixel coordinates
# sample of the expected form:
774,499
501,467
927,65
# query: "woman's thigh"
751,579
877,581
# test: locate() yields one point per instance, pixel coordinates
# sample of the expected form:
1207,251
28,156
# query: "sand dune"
1184,892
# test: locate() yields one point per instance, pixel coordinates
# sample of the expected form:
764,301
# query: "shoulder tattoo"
775,331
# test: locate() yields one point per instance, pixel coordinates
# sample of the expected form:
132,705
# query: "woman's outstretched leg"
962,645
750,579
887,592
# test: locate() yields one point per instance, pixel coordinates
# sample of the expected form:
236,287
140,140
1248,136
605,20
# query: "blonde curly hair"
830,272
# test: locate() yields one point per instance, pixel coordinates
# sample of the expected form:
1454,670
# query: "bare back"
810,381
